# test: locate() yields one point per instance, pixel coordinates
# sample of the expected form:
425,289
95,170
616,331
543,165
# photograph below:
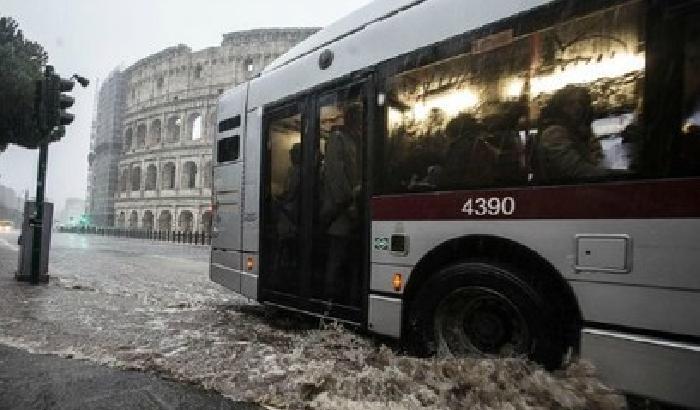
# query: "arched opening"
206,175
173,129
165,221
189,175
155,132
128,139
136,178
121,221
186,221
248,65
151,176
168,178
206,221
141,136
124,180
147,220
194,126
134,219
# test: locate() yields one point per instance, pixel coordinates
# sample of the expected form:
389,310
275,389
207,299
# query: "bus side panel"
251,204
660,293
226,258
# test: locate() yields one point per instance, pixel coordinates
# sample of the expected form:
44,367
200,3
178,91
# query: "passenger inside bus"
566,148
289,212
471,157
339,212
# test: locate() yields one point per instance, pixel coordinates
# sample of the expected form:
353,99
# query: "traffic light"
64,101
51,103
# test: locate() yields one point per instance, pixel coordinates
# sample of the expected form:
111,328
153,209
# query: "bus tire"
480,308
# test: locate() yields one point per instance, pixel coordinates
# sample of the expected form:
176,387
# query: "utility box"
26,242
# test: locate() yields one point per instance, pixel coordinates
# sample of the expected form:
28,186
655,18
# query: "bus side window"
228,149
456,124
571,92
587,94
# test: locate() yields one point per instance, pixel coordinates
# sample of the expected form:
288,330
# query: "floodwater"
150,306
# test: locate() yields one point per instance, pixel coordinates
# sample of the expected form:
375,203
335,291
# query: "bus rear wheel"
479,308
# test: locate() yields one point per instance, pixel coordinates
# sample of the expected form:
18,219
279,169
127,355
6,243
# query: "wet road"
150,306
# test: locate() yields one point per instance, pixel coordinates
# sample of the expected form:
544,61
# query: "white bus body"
628,263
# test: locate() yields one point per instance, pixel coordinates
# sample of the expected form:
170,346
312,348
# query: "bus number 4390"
493,206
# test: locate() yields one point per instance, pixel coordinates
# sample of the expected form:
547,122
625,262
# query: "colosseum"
168,125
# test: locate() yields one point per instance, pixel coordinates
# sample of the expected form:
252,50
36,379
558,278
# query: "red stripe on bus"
676,198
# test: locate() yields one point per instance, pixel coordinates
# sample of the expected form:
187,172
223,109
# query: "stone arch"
141,136
168,177
165,221
151,177
134,219
147,220
136,178
155,132
128,139
121,220
194,126
189,175
173,128
186,221
206,175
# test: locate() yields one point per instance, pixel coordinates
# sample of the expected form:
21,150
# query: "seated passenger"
470,159
504,125
566,148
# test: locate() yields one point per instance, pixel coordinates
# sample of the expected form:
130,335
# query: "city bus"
511,178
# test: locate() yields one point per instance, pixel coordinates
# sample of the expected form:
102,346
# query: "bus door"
281,231
338,223
314,218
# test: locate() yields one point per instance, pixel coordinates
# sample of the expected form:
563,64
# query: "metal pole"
39,213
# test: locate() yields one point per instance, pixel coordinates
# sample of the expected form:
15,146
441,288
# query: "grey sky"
91,37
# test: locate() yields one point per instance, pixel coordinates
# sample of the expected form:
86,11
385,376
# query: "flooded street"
150,306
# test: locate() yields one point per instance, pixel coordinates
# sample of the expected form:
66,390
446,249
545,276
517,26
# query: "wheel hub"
482,321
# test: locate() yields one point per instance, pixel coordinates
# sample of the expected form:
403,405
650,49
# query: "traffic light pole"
51,118
38,221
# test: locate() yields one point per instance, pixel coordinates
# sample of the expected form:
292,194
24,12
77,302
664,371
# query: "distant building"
105,148
167,124
10,205
71,213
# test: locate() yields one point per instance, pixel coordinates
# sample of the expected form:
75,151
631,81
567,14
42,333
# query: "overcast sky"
91,37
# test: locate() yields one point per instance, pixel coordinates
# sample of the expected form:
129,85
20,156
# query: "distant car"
6,226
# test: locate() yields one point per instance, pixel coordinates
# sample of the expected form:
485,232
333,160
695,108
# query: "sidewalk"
32,381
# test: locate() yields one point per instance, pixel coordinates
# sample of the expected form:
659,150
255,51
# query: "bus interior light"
397,281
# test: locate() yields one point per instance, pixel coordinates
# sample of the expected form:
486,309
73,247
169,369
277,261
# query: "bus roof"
374,11
382,30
